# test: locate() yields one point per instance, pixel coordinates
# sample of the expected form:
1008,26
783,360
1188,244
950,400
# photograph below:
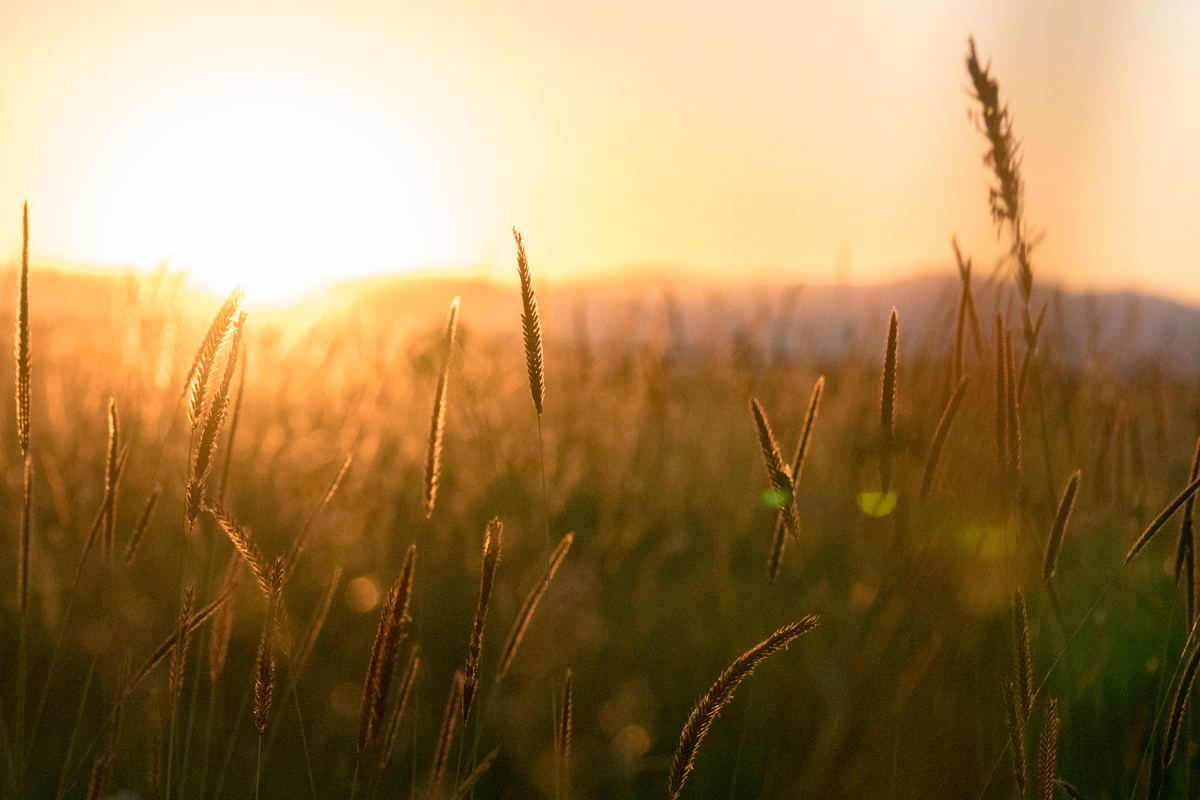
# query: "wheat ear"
1022,657
111,477
437,426
491,556
939,437
383,653
777,473
22,402
1048,752
517,632
779,541
1054,544
22,337
887,404
196,384
264,673
710,705
239,535
532,328
211,429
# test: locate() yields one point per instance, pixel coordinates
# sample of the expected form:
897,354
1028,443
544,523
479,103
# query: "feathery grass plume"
777,472
195,385
491,556
532,327
314,627
887,405
1179,705
1022,657
213,422
23,542
1048,752
564,741
1006,197
966,312
1054,544
1185,549
1001,399
22,337
517,632
239,535
1014,719
393,728
301,541
264,672
222,627
179,656
433,459
196,620
1161,520
710,705
1013,418
383,653
139,530
469,782
441,751
779,540
233,426
939,436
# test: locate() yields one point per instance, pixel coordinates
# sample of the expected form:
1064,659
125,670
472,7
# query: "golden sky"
289,143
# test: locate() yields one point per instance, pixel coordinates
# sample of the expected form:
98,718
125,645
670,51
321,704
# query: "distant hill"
823,322
1127,329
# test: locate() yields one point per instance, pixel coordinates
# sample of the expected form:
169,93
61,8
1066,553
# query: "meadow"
277,555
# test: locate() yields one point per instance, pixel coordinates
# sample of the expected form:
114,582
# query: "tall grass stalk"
535,367
22,359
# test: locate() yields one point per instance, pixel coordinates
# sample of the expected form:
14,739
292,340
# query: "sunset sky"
290,143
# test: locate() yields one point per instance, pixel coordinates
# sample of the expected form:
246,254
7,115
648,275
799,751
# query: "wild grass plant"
311,622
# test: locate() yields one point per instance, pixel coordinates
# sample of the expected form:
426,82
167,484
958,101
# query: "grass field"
648,453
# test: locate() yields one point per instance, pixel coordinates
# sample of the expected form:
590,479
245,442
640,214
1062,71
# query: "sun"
277,189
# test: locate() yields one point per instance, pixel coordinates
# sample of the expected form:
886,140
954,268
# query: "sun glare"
277,191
